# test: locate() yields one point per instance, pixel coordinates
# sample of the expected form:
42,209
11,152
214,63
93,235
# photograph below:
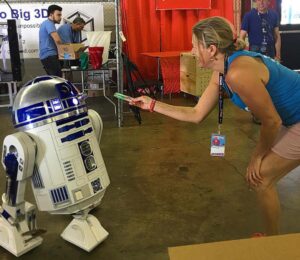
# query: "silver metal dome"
44,100
38,90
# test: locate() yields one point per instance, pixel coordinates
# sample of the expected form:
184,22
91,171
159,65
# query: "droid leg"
18,233
17,229
85,231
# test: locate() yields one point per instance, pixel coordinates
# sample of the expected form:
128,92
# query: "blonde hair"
217,31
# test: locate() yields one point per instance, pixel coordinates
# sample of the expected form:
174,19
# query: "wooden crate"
193,79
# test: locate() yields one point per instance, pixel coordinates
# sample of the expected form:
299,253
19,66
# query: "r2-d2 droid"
57,147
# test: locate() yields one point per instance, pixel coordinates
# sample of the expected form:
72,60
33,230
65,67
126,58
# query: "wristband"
152,105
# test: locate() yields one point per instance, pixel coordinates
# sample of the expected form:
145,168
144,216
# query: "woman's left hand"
253,175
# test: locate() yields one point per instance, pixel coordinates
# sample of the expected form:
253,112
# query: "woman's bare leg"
273,168
270,206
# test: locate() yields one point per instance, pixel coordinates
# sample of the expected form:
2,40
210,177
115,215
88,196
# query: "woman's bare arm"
195,114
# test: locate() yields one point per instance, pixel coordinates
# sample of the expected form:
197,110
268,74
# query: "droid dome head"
46,99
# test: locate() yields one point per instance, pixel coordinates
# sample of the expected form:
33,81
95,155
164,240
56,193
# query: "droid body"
66,168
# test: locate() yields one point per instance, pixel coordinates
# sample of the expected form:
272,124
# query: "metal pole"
119,61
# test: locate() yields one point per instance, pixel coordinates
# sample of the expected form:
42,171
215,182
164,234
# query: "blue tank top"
283,87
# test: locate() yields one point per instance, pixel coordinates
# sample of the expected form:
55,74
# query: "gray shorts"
287,143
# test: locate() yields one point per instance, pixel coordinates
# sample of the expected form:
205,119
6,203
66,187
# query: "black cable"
9,6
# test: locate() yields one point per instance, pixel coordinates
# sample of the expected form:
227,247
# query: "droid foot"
85,233
13,241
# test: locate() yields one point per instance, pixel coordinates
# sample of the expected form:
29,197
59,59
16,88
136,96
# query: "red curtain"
182,4
273,4
176,25
149,30
141,27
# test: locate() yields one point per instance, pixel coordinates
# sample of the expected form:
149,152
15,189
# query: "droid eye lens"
65,89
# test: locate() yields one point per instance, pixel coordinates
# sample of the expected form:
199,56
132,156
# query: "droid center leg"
85,231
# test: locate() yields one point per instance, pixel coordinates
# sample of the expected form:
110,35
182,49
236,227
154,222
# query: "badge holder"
217,144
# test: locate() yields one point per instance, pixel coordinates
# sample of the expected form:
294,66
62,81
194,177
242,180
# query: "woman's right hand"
142,102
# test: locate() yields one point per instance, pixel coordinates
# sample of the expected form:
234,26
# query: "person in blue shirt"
70,33
262,26
255,83
48,41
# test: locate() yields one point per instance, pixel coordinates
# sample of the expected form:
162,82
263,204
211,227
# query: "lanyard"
221,99
265,27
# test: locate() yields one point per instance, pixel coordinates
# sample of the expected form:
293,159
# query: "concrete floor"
165,188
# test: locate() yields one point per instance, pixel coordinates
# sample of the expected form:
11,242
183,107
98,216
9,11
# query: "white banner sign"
31,16
290,12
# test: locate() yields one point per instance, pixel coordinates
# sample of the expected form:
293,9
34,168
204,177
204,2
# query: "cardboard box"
263,248
193,79
94,93
93,85
70,51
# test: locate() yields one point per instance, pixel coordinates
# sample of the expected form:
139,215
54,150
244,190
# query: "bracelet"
152,105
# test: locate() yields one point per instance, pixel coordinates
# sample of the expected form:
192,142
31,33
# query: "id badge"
217,145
